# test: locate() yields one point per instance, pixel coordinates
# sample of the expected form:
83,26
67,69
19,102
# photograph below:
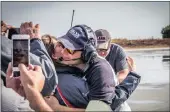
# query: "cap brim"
103,45
68,43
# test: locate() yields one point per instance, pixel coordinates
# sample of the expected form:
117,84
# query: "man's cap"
103,39
75,38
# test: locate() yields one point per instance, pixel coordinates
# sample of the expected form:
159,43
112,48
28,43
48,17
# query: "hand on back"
131,64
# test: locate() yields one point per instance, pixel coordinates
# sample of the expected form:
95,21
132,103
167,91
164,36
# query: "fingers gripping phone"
20,52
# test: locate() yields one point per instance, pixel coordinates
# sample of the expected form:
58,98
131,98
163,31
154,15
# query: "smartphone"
12,31
20,52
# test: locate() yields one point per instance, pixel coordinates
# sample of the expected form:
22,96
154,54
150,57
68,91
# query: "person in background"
115,55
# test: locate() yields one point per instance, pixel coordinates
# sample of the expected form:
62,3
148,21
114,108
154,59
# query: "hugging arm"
125,89
127,86
121,65
39,56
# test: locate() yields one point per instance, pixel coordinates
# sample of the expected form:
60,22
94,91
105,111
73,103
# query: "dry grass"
142,43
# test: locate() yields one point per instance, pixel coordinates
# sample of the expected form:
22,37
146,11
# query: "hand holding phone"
13,82
20,52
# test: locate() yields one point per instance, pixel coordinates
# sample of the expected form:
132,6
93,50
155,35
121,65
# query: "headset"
89,50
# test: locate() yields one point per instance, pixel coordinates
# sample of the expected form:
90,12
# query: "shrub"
166,32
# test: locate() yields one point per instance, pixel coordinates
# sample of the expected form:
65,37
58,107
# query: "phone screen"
20,52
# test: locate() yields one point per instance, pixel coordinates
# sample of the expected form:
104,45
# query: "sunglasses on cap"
68,50
71,51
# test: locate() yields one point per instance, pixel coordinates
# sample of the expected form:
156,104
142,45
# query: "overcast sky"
130,20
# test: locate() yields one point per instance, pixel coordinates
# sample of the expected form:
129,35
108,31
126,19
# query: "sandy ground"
150,98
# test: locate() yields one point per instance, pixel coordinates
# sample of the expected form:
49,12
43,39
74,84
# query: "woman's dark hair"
49,45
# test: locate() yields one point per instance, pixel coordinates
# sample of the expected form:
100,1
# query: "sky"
131,20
